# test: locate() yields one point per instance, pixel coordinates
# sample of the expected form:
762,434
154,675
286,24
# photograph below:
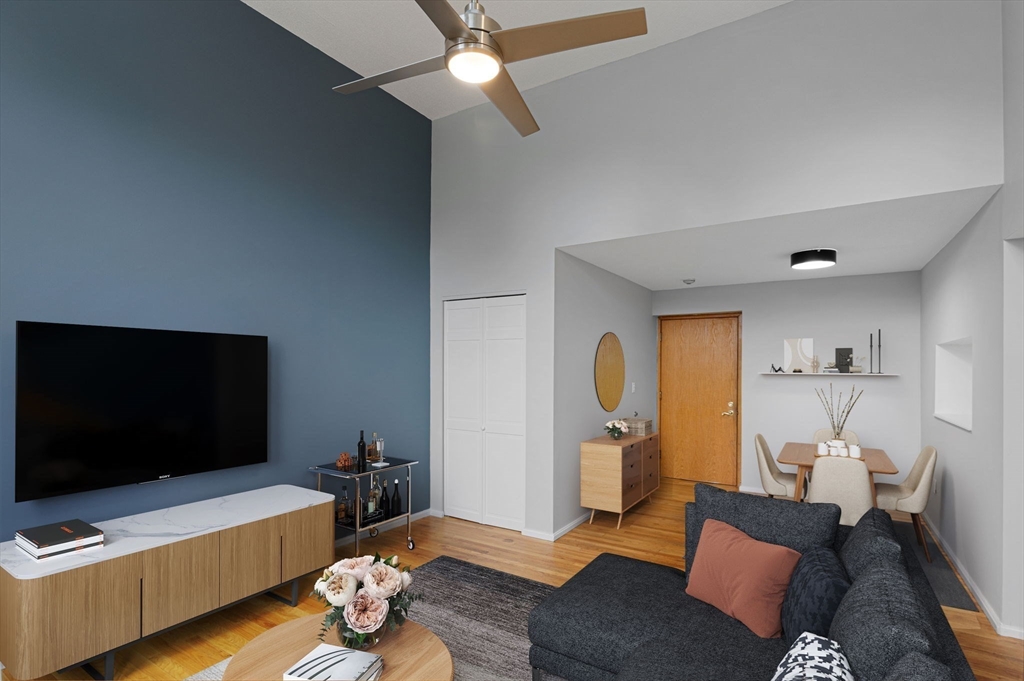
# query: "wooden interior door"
698,397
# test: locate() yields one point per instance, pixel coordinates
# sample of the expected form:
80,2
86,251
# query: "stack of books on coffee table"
58,539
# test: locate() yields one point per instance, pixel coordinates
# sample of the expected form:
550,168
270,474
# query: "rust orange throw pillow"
744,578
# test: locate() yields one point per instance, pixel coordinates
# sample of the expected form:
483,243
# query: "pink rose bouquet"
368,596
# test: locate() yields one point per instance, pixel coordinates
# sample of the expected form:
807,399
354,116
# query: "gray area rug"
939,572
479,613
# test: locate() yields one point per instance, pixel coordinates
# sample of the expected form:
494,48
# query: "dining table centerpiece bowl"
616,429
368,596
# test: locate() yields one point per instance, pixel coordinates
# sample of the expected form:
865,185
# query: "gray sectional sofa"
622,619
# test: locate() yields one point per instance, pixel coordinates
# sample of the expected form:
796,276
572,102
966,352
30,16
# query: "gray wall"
1013,307
835,312
962,295
1013,435
185,165
781,112
590,302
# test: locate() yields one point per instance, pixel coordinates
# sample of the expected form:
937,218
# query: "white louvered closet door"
484,410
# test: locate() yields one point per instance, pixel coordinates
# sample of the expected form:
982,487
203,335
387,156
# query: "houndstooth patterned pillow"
814,658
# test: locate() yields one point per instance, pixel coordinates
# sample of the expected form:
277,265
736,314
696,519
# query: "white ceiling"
901,235
370,36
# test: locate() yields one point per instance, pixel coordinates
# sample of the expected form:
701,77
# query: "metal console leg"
295,595
108,668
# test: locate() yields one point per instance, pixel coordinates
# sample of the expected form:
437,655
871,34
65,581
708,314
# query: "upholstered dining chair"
825,434
843,481
775,482
911,495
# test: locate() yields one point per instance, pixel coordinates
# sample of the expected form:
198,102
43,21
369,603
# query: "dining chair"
825,434
775,482
911,495
843,481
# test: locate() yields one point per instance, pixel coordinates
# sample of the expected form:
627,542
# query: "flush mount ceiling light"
814,259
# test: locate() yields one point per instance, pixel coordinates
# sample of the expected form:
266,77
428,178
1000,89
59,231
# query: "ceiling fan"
476,49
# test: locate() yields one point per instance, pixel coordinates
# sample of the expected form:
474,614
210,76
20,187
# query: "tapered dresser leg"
592,511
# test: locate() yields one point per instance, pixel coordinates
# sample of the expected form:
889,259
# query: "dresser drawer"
632,492
632,463
652,474
651,443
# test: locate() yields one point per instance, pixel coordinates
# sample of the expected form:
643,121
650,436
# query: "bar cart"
356,474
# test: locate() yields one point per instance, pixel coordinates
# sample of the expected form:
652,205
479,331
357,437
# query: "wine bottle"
361,450
385,501
371,498
396,502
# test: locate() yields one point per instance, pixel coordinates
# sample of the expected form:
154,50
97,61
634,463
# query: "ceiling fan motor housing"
481,25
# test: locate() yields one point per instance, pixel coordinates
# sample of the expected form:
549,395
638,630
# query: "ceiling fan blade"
528,42
505,95
446,19
407,71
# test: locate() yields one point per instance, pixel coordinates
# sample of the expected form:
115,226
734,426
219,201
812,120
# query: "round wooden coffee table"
412,652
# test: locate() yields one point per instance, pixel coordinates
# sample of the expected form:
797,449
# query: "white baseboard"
534,534
349,538
434,513
986,607
752,490
554,536
571,526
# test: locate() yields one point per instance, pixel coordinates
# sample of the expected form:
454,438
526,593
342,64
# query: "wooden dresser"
617,474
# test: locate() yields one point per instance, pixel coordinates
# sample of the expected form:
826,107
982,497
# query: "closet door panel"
505,412
463,409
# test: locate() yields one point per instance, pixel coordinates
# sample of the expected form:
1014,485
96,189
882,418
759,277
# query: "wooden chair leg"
921,536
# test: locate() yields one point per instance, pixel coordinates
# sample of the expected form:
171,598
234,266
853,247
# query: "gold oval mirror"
609,371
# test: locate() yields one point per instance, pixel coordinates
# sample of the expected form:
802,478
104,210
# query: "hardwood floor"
653,530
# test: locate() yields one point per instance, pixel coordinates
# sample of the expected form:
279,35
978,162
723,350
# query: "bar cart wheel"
373,531
411,544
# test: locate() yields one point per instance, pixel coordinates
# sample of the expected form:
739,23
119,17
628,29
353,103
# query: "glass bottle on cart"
385,501
396,502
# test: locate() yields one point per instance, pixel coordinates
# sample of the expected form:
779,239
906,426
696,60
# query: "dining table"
803,454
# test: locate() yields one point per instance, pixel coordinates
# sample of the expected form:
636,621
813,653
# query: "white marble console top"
134,533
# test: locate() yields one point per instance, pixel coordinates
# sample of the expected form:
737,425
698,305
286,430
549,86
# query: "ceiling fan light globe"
473,63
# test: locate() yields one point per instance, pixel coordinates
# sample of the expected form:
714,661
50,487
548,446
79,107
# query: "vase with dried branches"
836,410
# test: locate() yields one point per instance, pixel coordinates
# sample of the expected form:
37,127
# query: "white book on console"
335,663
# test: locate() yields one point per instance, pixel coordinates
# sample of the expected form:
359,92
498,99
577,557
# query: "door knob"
731,412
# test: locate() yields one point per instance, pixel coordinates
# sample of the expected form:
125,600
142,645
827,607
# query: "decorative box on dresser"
615,475
155,571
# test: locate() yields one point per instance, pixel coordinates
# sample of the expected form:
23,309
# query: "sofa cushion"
871,541
702,644
879,621
609,608
776,521
815,591
918,667
744,578
814,658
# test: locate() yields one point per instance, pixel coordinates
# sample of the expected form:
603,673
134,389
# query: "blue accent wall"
185,165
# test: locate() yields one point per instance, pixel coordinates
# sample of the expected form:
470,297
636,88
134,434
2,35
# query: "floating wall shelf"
769,373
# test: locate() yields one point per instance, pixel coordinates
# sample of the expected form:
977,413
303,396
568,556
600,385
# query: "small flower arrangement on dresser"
368,596
616,429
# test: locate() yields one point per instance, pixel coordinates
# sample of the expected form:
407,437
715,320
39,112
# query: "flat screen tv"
101,406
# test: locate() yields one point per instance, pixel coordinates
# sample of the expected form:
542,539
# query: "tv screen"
101,406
